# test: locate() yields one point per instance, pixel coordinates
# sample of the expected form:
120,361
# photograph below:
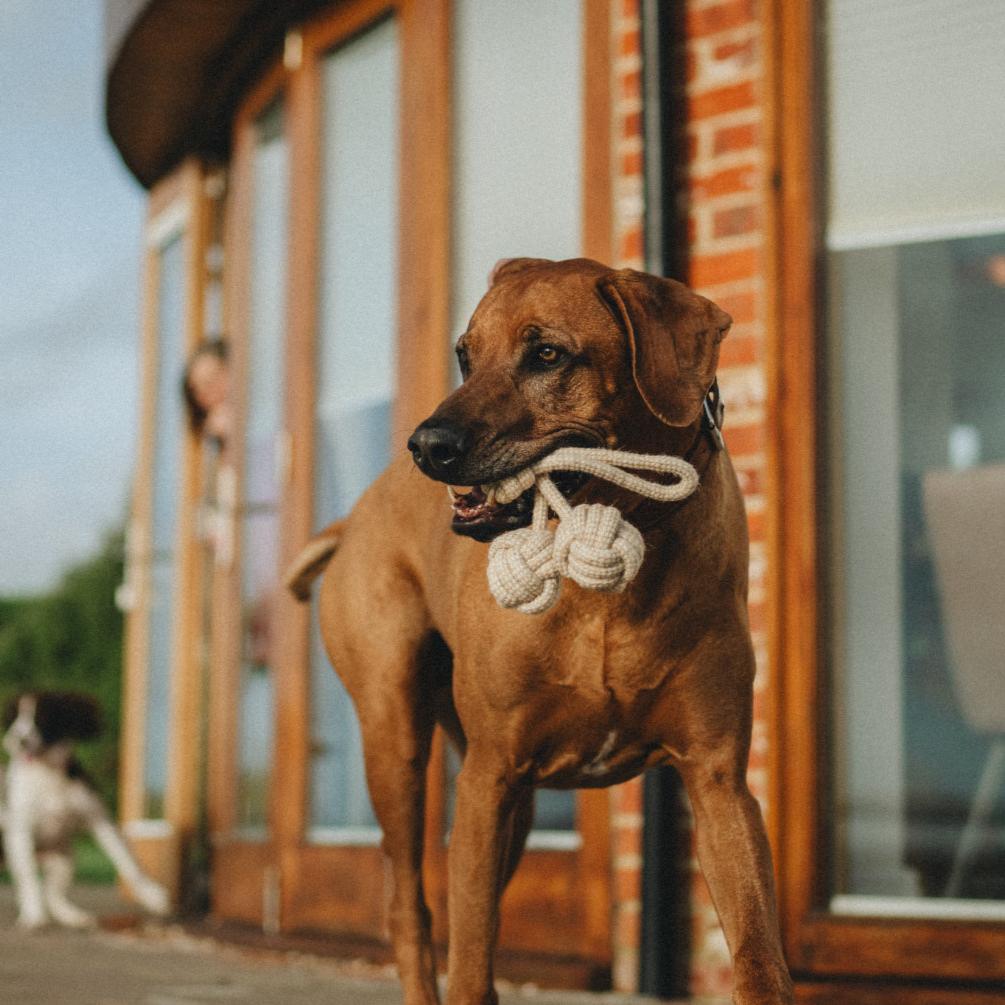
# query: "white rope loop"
593,545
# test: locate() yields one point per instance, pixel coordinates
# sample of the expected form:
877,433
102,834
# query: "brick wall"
724,188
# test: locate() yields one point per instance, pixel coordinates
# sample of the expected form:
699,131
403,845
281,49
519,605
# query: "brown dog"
598,688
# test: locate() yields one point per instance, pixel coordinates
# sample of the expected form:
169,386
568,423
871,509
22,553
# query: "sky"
70,246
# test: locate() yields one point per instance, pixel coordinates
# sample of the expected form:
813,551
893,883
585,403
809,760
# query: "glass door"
251,487
356,371
260,472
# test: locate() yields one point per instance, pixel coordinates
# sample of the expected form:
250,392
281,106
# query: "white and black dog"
47,800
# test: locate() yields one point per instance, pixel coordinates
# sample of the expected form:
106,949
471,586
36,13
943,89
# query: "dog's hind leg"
57,877
396,745
389,677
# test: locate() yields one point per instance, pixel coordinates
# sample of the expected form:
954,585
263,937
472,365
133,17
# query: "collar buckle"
713,412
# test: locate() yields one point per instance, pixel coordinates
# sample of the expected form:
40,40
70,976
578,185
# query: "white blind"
916,120
518,135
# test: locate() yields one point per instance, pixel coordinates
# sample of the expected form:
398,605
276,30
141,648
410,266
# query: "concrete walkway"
162,965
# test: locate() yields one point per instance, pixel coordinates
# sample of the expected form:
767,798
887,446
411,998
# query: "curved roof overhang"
177,69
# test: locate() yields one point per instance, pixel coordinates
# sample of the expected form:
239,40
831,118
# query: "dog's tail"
312,560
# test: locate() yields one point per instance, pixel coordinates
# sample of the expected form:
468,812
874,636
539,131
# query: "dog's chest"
47,800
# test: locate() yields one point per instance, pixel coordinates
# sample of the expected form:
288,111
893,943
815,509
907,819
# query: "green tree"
70,639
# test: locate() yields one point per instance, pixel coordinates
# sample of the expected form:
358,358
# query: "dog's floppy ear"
673,337
509,266
67,715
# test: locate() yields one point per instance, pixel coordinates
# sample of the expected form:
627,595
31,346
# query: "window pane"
518,155
918,463
356,360
518,138
259,506
169,438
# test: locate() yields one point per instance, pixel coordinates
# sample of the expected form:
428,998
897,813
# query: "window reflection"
259,505
918,357
169,439
356,369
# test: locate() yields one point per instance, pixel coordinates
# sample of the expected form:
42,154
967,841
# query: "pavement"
129,961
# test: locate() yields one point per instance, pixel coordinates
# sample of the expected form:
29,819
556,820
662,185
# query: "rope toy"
593,544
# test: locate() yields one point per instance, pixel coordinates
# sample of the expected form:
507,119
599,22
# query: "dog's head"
36,721
565,354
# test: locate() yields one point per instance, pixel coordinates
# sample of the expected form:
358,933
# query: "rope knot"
598,549
522,570
593,545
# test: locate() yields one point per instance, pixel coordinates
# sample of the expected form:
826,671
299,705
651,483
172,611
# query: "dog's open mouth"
478,515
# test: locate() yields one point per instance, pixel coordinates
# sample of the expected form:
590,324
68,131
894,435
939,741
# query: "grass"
92,865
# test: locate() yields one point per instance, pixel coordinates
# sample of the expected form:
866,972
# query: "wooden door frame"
307,872
178,205
822,947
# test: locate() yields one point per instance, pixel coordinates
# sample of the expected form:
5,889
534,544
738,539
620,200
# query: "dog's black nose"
437,448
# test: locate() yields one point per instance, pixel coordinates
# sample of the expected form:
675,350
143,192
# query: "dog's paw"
153,897
71,916
33,919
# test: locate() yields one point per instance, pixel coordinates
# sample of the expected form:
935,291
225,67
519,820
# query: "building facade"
330,184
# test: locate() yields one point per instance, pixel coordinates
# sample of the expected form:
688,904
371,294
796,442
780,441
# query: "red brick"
729,181
628,839
720,17
630,9
751,478
739,350
729,139
629,44
631,164
736,220
629,797
631,125
744,440
741,307
628,883
758,616
722,99
629,930
742,52
631,84
631,244
713,270
756,526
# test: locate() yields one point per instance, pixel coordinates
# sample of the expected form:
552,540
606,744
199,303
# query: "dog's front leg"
149,893
479,847
19,847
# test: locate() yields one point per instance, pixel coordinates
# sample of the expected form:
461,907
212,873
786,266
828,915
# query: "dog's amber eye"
547,355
